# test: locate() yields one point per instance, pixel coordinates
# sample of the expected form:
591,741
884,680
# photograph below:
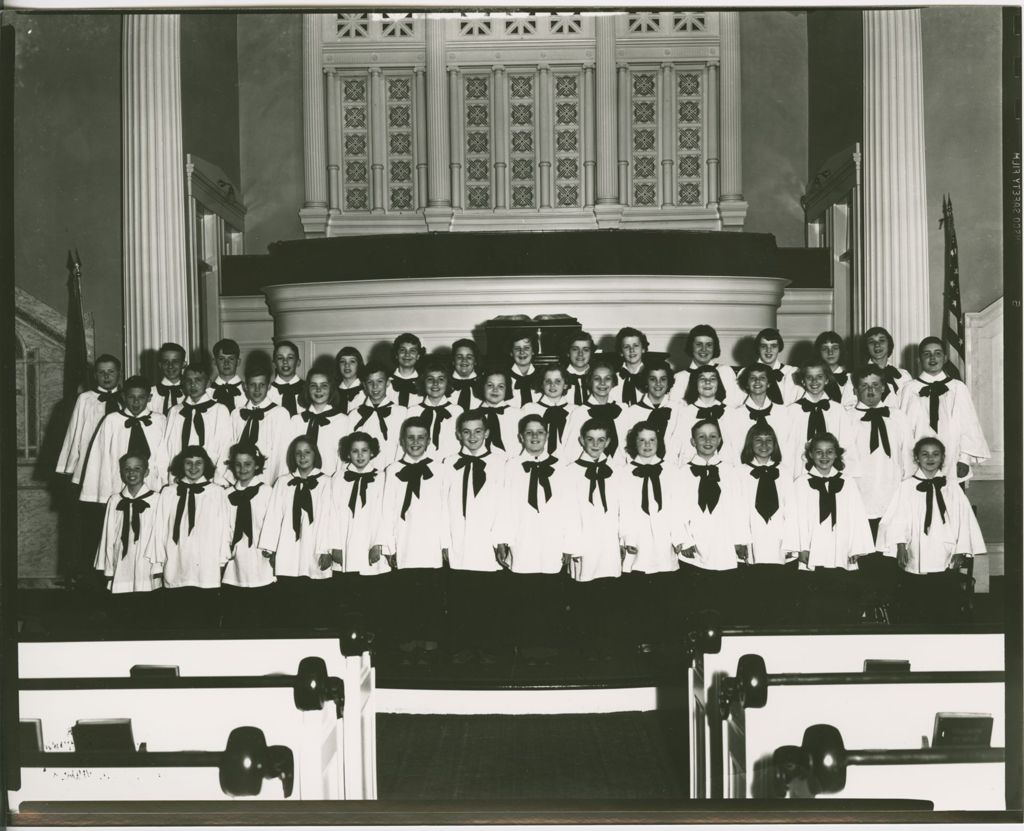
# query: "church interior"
331,179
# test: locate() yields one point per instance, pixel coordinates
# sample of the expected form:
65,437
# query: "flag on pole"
76,352
953,330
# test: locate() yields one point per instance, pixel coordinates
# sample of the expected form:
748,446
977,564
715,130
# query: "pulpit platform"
362,291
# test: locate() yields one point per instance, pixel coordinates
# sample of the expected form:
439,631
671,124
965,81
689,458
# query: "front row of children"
483,549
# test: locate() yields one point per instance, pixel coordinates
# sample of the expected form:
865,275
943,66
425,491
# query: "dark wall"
835,83
270,126
209,90
67,172
774,96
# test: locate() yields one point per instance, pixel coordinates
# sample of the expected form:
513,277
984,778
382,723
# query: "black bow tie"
359,481
110,399
759,416
709,489
464,387
933,391
186,496
493,424
657,417
933,489
405,387
596,473
252,418
540,474
827,490
302,500
774,391
132,510
242,500
192,415
524,385
892,379
554,419
475,467
314,421
879,433
766,499
225,394
435,415
367,410
651,474
138,444
714,412
172,394
413,473
346,395
289,395
833,388
630,391
816,416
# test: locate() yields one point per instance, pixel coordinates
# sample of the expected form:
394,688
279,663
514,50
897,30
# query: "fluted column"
589,138
420,75
438,212
378,140
313,214
895,220
712,122
334,139
622,121
156,287
668,136
732,208
607,210
544,130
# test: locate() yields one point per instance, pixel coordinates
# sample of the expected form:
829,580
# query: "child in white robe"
932,530
703,400
198,420
299,503
839,387
782,386
193,539
464,381
413,534
945,405
758,407
525,379
554,405
578,352
226,387
90,408
379,414
168,391
657,405
286,387
473,498
828,528
653,533
630,345
437,410
500,412
351,371
705,349
600,404
124,551
321,420
879,346
814,414
247,582
529,533
261,422
406,353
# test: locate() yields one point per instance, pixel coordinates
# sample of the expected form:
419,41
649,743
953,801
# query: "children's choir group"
501,504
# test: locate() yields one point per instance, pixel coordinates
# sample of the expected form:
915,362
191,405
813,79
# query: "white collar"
516,372
144,492
832,472
295,380
220,382
206,396
929,377
696,459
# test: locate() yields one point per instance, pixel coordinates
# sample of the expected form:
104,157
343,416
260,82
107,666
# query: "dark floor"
565,757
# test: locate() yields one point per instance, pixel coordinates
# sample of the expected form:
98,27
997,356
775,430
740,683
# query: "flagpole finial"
74,263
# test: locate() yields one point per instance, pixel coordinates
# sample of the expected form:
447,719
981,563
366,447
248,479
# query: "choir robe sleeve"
166,503
224,519
391,507
973,447
277,517
894,527
85,417
331,532
110,539
968,532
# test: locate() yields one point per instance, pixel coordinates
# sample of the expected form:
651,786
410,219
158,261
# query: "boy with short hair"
525,382
813,414
379,414
464,380
577,363
406,352
168,391
437,409
90,407
287,386
262,423
198,420
554,405
600,404
879,346
227,387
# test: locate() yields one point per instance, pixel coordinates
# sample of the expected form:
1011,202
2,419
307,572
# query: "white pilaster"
313,214
732,207
378,140
156,287
544,130
895,215
712,122
607,210
589,137
500,137
419,73
455,134
623,120
438,212
668,132
334,139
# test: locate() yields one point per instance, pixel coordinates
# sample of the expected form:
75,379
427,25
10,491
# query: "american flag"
953,331
76,354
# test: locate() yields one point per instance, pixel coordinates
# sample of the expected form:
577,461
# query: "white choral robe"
508,428
788,386
328,436
727,373
715,533
533,534
416,540
579,416
958,429
349,404
847,394
740,419
837,422
642,410
217,427
539,407
85,418
387,418
447,441
197,557
766,537
350,530
591,531
829,547
680,432
618,393
472,530
248,567
894,398
274,394
466,399
406,399
879,475
655,533
101,478
273,438
296,557
128,570
162,403
239,398
903,522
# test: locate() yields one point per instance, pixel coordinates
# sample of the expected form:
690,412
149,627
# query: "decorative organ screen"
522,117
